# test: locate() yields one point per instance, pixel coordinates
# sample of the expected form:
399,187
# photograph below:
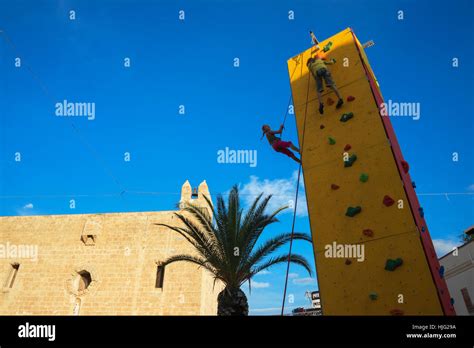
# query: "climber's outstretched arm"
278,131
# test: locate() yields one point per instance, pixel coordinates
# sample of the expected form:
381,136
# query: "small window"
84,280
88,239
195,193
160,276
12,275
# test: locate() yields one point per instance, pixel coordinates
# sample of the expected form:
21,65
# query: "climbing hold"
413,184
422,228
405,166
350,161
368,232
420,210
350,98
396,312
321,126
346,117
388,201
364,177
348,262
330,101
347,147
332,141
353,211
441,271
327,47
452,301
391,265
373,296
334,187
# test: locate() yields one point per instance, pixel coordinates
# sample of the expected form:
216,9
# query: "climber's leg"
295,158
320,89
282,146
330,84
294,148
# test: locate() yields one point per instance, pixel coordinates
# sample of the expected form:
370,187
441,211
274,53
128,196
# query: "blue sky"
190,63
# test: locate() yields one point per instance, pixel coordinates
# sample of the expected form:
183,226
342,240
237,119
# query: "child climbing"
318,67
278,144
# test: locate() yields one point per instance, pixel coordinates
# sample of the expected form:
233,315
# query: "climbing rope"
290,98
296,198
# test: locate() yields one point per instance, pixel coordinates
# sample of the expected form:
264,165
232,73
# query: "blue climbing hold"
452,301
420,210
422,228
413,184
441,271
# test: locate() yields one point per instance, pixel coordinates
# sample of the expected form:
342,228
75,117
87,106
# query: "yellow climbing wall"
345,283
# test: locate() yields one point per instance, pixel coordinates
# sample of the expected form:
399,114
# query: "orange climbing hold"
334,187
321,126
330,101
347,147
368,232
396,312
406,166
388,201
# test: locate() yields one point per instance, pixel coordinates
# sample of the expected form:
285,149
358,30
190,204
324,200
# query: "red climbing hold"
405,166
350,98
334,187
321,126
347,147
368,232
388,201
330,101
348,262
396,311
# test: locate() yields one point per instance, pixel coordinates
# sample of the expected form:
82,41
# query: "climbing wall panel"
336,182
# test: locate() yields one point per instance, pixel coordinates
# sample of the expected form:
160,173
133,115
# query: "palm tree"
226,245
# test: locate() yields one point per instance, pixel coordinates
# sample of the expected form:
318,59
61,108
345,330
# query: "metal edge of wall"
433,263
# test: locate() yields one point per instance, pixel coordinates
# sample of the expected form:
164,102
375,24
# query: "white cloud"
293,275
304,281
27,209
470,187
260,285
264,272
283,191
444,246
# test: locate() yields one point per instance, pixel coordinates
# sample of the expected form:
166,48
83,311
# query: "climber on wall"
318,67
278,144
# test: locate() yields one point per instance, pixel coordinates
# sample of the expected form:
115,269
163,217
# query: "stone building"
101,264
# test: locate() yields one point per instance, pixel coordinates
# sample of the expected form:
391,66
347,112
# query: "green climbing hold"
353,211
373,296
327,47
391,265
350,161
332,141
346,117
364,177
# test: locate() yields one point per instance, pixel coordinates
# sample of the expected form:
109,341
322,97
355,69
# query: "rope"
289,99
296,198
